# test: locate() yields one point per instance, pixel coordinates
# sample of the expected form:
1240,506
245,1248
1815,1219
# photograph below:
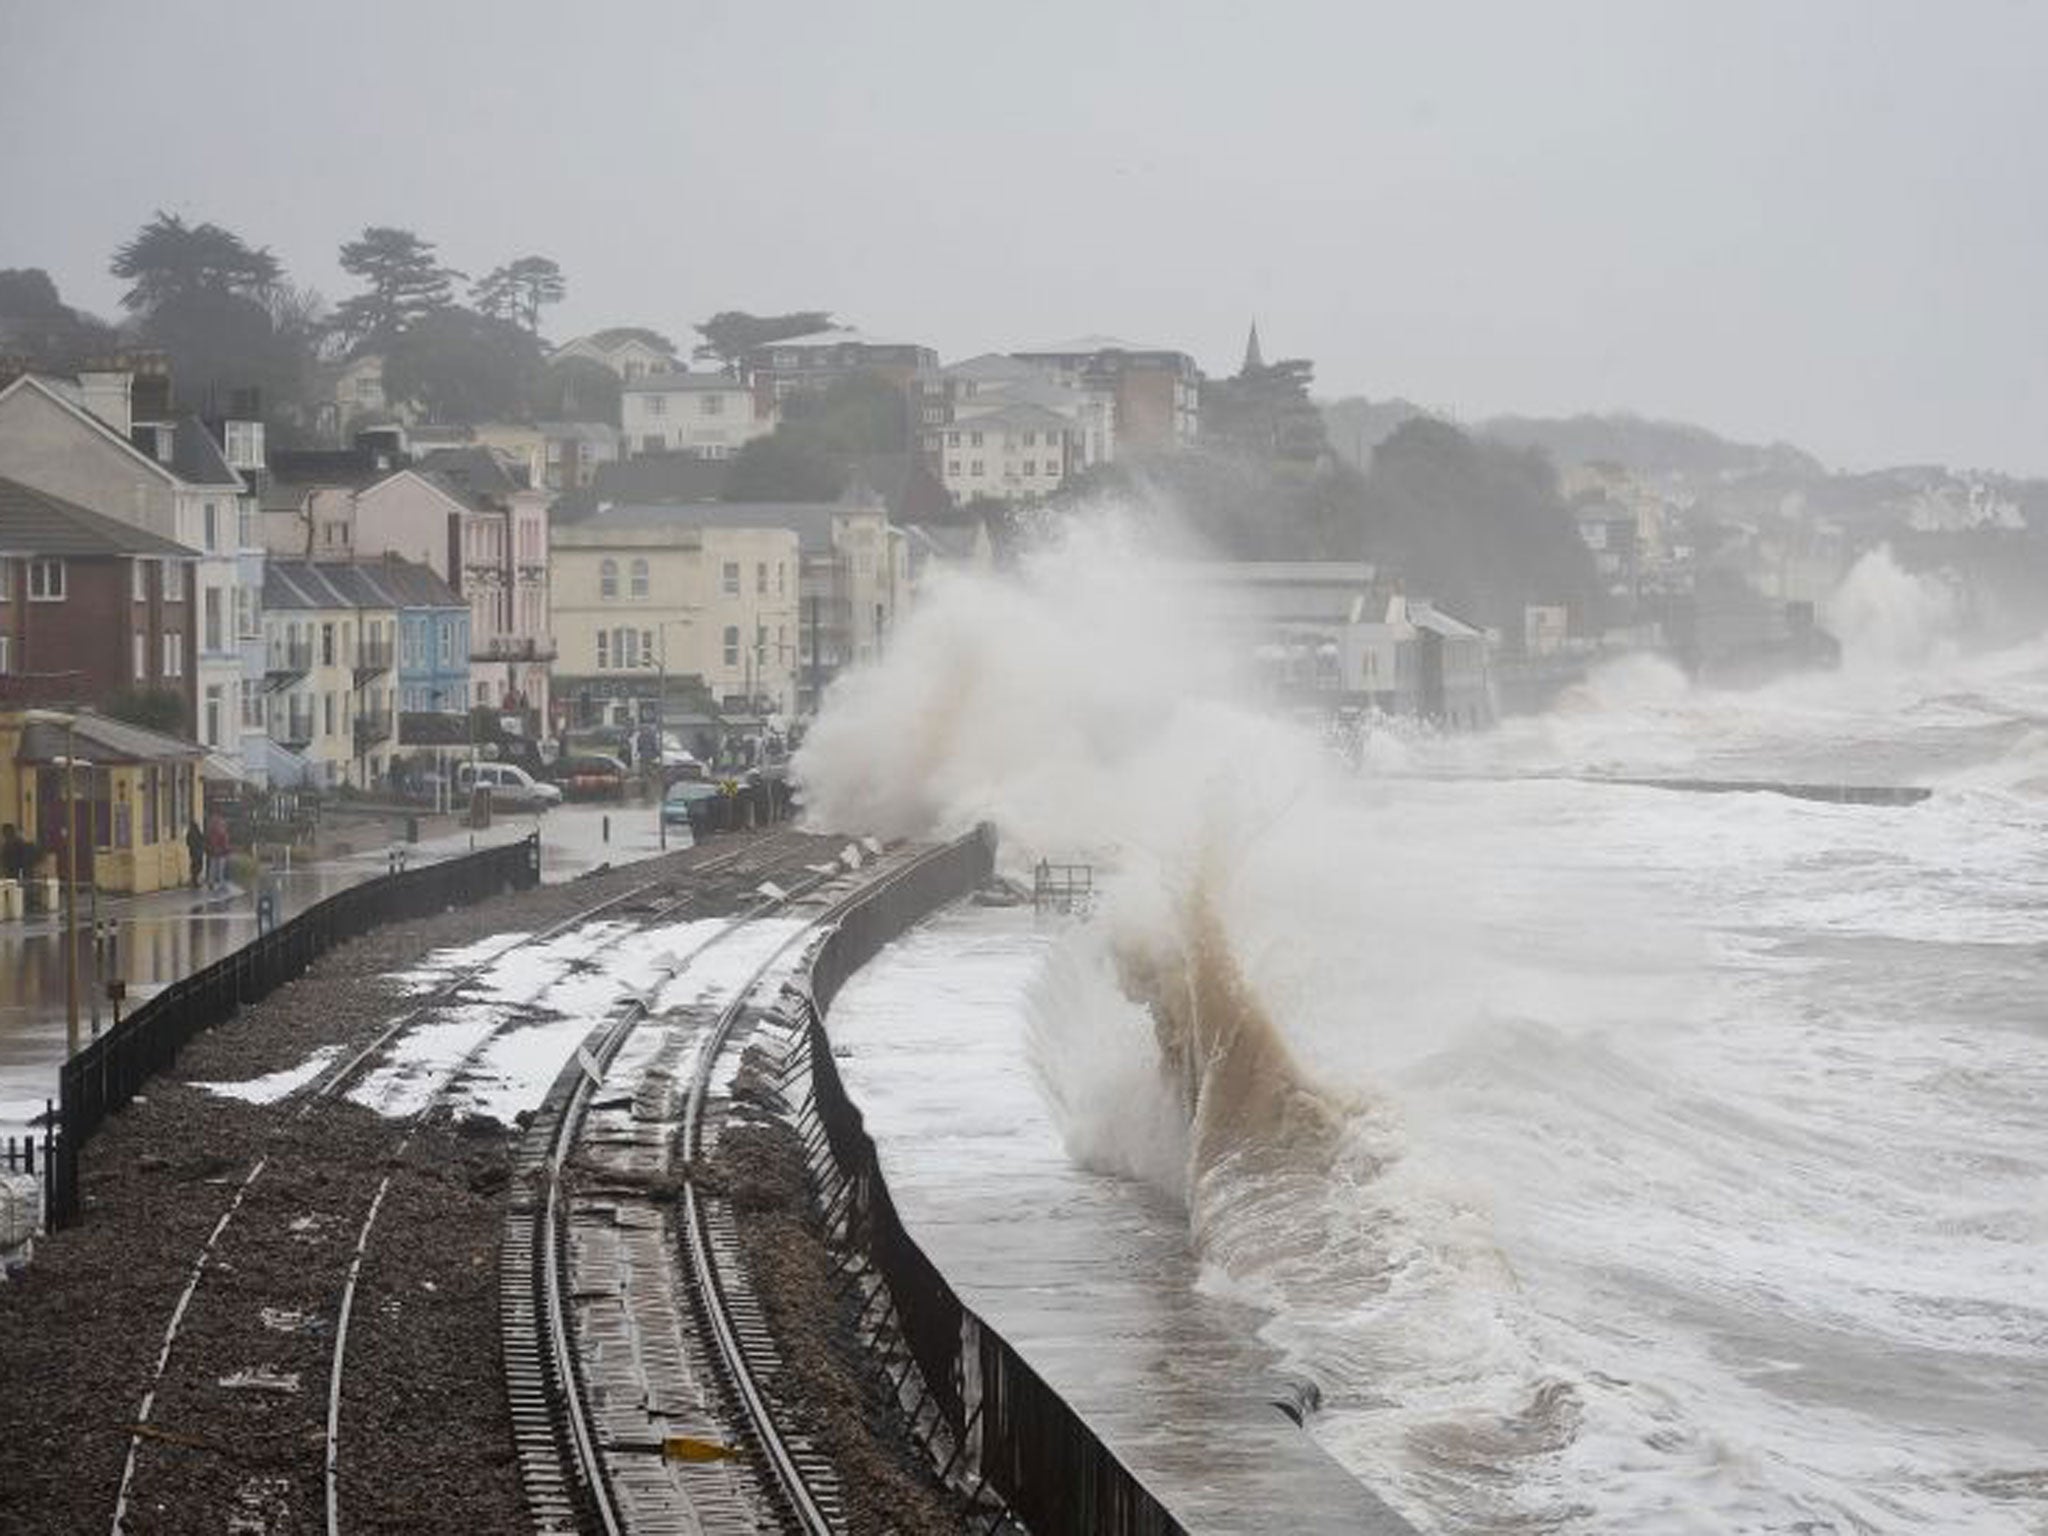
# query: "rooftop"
85,736
810,521
1084,346
33,522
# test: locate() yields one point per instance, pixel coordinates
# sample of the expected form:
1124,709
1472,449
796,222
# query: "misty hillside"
1649,447
1357,425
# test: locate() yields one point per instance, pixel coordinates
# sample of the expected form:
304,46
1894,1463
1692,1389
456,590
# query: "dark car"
699,806
592,777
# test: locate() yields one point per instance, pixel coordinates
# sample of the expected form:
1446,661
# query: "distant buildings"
1339,635
755,605
821,359
706,415
629,351
1157,390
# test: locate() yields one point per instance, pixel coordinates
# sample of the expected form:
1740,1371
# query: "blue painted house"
433,637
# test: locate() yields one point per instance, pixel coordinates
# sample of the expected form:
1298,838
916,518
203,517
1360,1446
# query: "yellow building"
132,791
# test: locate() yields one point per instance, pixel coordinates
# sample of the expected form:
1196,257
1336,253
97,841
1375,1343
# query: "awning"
223,770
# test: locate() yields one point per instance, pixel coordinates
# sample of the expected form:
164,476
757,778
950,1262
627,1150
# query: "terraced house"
107,441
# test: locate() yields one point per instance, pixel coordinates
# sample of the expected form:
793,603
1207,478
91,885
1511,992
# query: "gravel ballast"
236,1434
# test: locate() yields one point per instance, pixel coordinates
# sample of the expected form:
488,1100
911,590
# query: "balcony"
370,731
294,730
513,648
373,659
287,662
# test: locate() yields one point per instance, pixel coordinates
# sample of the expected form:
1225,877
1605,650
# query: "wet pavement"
168,934
1090,1277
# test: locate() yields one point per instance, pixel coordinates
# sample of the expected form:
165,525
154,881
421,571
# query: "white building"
330,638
705,414
982,385
1013,453
628,351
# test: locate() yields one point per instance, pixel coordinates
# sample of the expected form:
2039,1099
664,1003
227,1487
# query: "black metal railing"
1015,1430
104,1076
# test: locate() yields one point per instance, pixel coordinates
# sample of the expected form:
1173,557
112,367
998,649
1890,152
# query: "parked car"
694,804
592,776
511,787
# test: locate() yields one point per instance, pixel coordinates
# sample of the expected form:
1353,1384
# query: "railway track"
638,1357
296,1141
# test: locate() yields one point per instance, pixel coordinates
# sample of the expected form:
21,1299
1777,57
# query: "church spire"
1253,361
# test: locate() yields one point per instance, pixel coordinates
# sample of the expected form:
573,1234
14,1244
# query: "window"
657,405
326,645
211,514
975,467
652,443
174,653
952,439
974,439
781,574
6,579
245,613
760,576
245,444
732,645
215,641
608,579
639,578
174,581
952,466
931,442
1030,468
138,645
730,576
213,703
46,581
138,587
646,647
1030,439
327,713
604,651
447,641
713,405
6,654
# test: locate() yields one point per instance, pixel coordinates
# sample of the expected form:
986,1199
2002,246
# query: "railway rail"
638,1356
647,904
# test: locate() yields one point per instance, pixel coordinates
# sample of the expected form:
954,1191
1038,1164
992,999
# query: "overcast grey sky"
1823,222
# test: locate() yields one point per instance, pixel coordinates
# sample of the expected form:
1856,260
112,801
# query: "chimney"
107,397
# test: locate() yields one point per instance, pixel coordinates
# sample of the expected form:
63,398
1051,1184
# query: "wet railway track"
276,1281
639,1362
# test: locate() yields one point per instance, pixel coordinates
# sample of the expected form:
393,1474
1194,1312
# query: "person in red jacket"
217,851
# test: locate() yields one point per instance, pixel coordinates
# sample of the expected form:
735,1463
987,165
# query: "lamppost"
71,986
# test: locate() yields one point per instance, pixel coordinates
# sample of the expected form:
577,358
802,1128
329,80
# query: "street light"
71,766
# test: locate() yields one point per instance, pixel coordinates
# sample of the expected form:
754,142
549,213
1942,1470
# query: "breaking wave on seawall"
1375,1035
1078,712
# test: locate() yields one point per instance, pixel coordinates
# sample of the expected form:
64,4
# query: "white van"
512,787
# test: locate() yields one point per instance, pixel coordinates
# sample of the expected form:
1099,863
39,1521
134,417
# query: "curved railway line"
233,1245
607,1391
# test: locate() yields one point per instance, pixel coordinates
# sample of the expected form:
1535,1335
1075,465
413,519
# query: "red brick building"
91,608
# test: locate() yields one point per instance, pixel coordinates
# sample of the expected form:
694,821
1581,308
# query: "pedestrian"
217,851
16,859
195,845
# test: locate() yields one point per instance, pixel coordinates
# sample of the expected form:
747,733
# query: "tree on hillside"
780,467
811,454
731,334
1476,525
519,290
579,389
462,367
1265,410
221,309
36,322
405,283
168,260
